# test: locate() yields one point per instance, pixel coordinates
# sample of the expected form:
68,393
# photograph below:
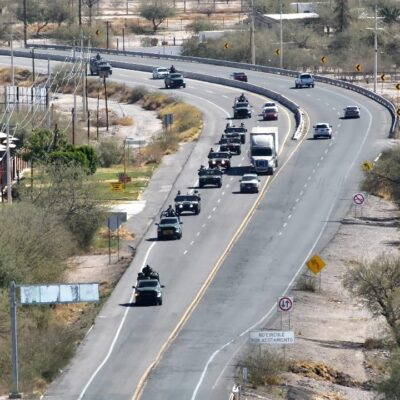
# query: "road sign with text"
272,337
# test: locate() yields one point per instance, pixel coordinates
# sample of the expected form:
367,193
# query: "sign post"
285,305
359,200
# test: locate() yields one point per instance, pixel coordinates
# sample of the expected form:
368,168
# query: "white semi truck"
264,147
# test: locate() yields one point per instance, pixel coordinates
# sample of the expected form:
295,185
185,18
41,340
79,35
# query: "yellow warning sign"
367,166
117,186
316,264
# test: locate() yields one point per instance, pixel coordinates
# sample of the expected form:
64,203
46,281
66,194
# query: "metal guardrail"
272,70
292,106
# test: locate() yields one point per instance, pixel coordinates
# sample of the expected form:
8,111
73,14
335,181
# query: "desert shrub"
34,244
148,41
154,101
109,152
307,282
124,121
390,386
135,94
264,366
201,24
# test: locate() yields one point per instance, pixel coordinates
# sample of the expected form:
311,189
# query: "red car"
239,76
270,113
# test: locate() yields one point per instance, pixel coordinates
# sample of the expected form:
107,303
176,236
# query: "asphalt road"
298,214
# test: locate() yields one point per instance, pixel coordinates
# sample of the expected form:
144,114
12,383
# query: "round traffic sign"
285,303
359,199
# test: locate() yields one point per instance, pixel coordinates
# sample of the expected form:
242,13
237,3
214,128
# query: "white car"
160,72
322,129
269,104
249,183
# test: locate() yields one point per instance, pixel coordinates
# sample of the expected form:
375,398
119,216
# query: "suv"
174,80
210,176
322,129
242,109
231,143
169,227
220,159
351,112
234,130
160,72
98,65
249,183
188,203
148,291
304,80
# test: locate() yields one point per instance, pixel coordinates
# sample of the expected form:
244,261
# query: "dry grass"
124,121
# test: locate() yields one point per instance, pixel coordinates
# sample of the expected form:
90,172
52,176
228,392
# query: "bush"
148,41
110,153
390,387
264,366
136,94
33,243
307,282
202,24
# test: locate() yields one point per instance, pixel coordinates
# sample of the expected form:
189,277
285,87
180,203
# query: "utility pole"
107,33
25,23
376,48
13,314
9,183
33,65
281,39
105,96
252,39
12,56
123,39
80,12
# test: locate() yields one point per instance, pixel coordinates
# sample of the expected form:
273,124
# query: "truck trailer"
264,148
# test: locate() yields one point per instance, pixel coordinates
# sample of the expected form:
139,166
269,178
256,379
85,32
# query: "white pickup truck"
304,80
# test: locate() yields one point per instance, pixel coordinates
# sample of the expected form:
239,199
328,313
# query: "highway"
239,264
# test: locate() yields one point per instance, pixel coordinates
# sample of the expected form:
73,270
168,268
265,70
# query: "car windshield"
186,198
147,283
305,76
168,221
270,109
321,126
247,178
242,104
218,155
269,105
175,75
237,74
235,129
162,70
261,152
351,108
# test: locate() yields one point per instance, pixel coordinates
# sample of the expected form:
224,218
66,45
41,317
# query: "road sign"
168,119
277,52
226,45
398,112
316,264
398,86
359,199
358,67
323,59
285,303
97,32
367,166
272,337
117,186
383,77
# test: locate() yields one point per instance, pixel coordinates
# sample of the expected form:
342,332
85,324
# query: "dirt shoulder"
329,356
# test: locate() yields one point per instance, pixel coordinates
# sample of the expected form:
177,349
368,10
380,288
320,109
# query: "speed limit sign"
285,304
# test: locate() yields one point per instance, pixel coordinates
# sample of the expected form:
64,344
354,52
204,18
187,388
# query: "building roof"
290,17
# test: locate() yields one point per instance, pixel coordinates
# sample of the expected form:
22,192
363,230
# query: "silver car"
160,72
352,112
322,129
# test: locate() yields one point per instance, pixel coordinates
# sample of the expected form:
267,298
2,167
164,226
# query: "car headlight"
223,162
180,205
176,229
158,294
137,294
191,205
213,161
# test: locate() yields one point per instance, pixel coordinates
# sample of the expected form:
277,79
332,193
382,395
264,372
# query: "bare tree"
90,4
378,284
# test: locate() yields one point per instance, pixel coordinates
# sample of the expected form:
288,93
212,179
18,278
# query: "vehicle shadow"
153,239
318,138
239,171
127,305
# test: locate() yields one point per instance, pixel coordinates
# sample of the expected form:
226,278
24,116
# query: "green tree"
343,15
378,284
156,11
390,387
390,13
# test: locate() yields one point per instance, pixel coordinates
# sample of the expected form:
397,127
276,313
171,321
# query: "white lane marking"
223,193
231,178
301,193
321,158
309,178
110,350
185,252
102,316
333,108
330,144
224,95
214,208
227,185
273,308
318,163
339,125
198,234
284,225
326,151
219,201
377,158
289,216
209,217
297,200
327,104
191,243
210,91
305,185
280,234
203,225
313,171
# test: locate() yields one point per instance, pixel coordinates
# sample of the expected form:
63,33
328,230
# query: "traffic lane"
176,284
272,266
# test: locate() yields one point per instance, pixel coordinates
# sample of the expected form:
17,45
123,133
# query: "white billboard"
272,337
59,293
